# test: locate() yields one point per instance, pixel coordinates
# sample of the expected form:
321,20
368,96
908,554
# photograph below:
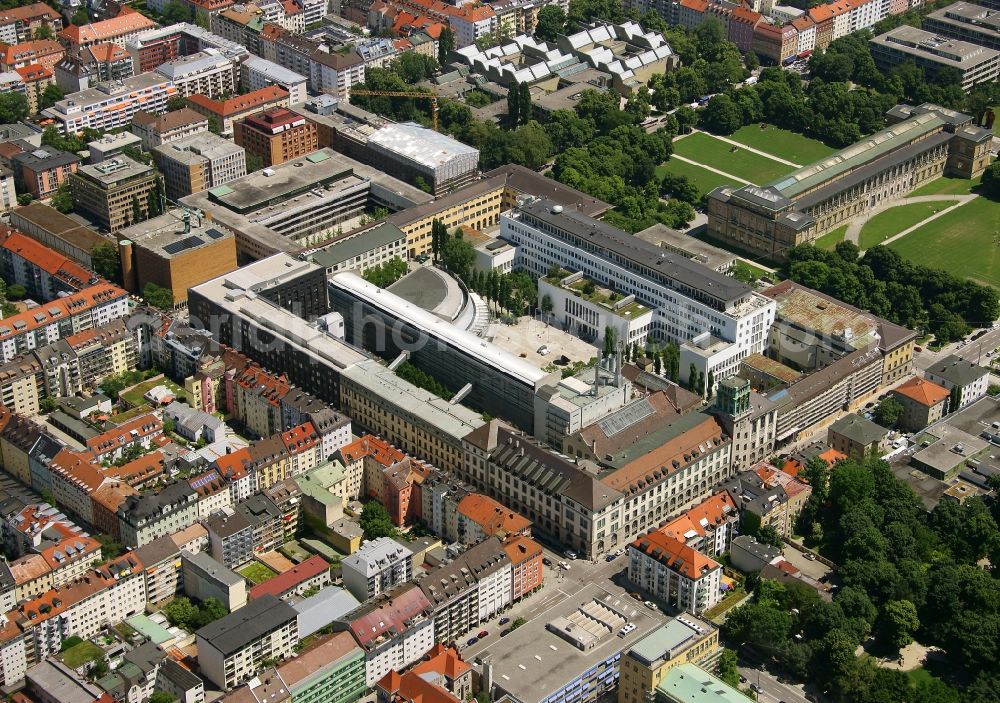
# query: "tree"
897,622
62,199
375,521
728,670
158,297
162,697
710,387
446,44
722,115
46,405
550,24
414,67
43,32
106,263
181,612
211,609
524,110
991,181
955,399
766,534
255,163
177,102
514,105
80,17
547,304
692,382
657,363
174,12
438,234
136,210
13,107
610,341
457,255
888,412
50,96
16,291
24,199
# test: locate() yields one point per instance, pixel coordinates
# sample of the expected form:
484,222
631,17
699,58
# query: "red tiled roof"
375,447
59,309
127,22
33,72
300,438
49,260
108,52
283,583
709,513
442,660
493,517
922,391
36,11
683,559
241,103
521,549
392,612
412,687
14,53
109,441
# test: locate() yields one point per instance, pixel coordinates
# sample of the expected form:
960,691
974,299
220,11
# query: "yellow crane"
404,94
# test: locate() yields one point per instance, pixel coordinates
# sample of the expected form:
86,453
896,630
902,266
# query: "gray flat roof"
643,254
210,566
165,234
231,633
931,47
118,168
354,245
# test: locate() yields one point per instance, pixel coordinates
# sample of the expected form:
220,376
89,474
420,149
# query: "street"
772,690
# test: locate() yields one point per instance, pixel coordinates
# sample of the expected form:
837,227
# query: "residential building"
8,192
966,382
155,130
43,52
203,577
207,73
311,574
479,517
725,318
235,647
857,437
36,79
115,192
41,171
118,30
751,556
527,574
20,24
675,573
198,163
760,503
332,670
682,640
144,518
257,73
229,111
45,274
395,630
921,144
923,401
179,682
774,43
379,566
276,136
56,231
976,64
336,72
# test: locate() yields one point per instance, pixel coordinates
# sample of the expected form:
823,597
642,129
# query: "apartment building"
379,566
41,171
235,647
395,630
336,72
114,192
276,136
19,24
257,73
963,379
118,30
146,517
155,130
202,577
36,79
207,73
479,517
675,573
231,110
43,52
682,640
975,63
108,106
727,320
199,162
923,401
527,573
313,573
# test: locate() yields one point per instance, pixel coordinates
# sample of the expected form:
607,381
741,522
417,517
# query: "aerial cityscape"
507,351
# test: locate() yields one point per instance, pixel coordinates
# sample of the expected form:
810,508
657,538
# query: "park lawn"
947,186
894,220
134,397
706,149
703,179
831,239
962,242
257,573
790,146
78,655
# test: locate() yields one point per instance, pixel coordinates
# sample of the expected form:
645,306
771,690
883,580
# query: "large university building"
921,143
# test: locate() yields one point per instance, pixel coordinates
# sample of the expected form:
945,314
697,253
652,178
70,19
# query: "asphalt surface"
773,691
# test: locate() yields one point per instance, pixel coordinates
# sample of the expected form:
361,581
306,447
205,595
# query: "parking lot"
810,567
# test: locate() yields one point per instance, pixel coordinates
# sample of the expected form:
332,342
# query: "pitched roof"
711,512
493,517
13,53
922,391
49,260
521,549
673,553
59,309
26,13
168,121
33,72
241,103
957,371
108,52
127,22
388,613
375,447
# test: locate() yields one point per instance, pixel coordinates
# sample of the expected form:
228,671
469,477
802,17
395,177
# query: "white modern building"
675,573
688,299
207,73
377,567
257,73
587,309
442,162
109,106
953,372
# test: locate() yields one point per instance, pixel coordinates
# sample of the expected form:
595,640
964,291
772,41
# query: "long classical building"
921,143
689,300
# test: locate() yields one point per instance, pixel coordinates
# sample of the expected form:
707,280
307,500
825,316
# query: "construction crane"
405,94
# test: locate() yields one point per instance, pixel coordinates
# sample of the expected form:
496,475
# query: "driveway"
812,569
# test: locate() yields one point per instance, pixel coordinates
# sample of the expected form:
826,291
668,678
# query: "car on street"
547,561
483,633
472,641
810,556
756,689
569,554
504,621
651,605
636,596
610,557
507,631
564,565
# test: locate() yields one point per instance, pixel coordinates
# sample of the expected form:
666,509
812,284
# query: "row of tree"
908,294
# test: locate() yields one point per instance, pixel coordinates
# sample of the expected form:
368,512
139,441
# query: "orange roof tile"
28,568
282,583
521,549
710,512
832,456
442,660
241,103
128,21
49,260
493,517
683,559
35,11
107,52
922,391
139,427
33,72
59,309
15,53
375,447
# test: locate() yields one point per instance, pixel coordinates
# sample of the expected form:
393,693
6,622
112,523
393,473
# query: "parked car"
547,561
651,605
504,621
810,556
564,565
610,557
507,631
483,633
472,641
570,554
756,689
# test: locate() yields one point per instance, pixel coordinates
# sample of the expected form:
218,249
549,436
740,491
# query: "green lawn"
706,149
702,178
963,241
831,239
134,396
790,146
257,573
80,654
947,186
894,220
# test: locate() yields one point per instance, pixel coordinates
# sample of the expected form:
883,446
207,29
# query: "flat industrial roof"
425,146
165,234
